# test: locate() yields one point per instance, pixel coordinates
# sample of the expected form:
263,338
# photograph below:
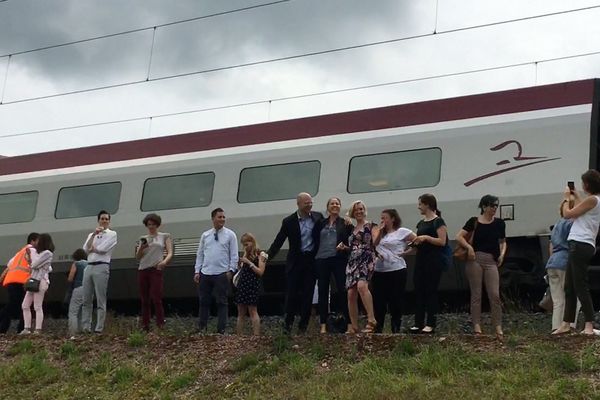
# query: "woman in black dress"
432,236
251,267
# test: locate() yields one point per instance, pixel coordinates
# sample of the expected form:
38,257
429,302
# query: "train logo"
521,161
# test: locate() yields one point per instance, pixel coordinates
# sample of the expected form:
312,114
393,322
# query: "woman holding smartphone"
582,246
151,252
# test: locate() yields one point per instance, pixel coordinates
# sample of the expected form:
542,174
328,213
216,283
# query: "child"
75,278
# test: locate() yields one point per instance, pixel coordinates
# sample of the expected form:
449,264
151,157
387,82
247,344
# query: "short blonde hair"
353,206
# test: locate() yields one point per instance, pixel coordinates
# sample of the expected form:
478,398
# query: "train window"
395,171
17,207
179,191
87,200
278,182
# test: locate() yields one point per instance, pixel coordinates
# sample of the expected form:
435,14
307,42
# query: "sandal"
352,330
370,328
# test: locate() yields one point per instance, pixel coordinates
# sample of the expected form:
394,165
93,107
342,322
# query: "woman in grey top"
154,251
330,236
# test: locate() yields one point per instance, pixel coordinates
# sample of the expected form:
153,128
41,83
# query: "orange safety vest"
18,270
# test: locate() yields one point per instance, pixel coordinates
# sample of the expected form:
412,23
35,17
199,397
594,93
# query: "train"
521,145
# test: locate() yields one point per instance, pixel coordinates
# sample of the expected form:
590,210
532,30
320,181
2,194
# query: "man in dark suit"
300,272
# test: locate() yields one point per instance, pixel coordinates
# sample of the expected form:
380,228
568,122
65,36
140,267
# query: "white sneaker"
25,332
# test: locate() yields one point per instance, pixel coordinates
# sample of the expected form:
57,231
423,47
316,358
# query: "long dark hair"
396,222
430,201
45,243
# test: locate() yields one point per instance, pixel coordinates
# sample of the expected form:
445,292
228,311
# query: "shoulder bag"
461,253
32,285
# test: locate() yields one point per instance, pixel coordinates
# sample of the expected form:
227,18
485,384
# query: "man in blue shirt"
216,260
300,275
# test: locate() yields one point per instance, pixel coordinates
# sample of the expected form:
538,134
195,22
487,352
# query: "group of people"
368,260
365,260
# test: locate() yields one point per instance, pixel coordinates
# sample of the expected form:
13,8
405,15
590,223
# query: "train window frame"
318,186
37,197
87,185
394,152
212,190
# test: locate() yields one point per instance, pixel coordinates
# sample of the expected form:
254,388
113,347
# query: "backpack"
447,258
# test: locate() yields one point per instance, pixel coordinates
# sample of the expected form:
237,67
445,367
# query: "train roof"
464,107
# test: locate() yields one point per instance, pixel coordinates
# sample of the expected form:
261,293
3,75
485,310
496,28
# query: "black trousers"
300,286
577,285
326,267
388,290
217,285
12,309
428,271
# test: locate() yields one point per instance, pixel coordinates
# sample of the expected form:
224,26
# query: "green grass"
126,363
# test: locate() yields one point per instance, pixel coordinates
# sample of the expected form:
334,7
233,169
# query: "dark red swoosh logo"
486,176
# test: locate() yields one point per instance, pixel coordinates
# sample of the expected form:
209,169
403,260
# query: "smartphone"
571,186
143,241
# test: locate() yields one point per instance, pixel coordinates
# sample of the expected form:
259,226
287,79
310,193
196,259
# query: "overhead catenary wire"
300,96
146,28
286,58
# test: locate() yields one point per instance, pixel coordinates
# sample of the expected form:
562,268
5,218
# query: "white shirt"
389,249
41,264
585,227
214,256
104,244
155,252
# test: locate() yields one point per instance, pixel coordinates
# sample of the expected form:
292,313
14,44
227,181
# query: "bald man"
300,263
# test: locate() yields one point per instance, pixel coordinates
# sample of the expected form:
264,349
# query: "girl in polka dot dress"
252,266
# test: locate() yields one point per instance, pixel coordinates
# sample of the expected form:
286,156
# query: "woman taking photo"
389,279
40,259
582,246
360,267
251,268
151,252
329,236
484,237
431,238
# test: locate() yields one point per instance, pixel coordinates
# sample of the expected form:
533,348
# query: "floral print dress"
362,256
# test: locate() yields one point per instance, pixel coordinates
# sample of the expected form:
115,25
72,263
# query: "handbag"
461,253
32,285
236,278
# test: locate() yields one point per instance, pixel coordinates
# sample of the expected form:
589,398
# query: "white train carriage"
521,145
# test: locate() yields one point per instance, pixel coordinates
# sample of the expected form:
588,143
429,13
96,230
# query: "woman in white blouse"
40,259
389,279
154,251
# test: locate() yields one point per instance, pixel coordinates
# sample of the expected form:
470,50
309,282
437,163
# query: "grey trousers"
75,307
95,284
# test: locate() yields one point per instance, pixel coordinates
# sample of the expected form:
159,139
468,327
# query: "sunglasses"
495,205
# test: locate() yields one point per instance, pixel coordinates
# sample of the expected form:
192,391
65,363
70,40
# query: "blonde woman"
251,268
360,267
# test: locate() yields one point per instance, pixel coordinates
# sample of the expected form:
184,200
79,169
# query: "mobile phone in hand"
571,186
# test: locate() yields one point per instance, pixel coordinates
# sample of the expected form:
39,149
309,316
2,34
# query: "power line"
314,94
127,32
296,56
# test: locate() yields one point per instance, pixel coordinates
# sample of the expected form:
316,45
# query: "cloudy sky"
169,67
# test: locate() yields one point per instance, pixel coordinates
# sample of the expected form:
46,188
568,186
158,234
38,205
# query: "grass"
176,365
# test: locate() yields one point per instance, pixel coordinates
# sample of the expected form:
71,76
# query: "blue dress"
249,286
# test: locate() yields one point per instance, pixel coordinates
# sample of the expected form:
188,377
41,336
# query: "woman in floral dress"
360,267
